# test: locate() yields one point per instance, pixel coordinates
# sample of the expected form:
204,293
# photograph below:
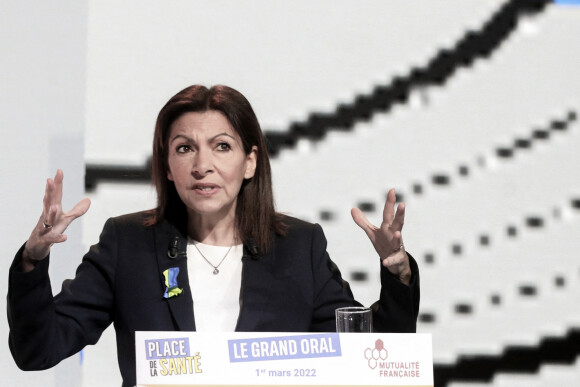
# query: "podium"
283,359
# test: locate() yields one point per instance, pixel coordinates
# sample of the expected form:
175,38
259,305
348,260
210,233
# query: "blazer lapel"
256,268
168,238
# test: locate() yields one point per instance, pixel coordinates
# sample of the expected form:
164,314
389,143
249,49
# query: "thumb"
361,220
79,209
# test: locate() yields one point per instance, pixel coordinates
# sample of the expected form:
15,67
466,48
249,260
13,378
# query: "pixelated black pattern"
514,359
474,45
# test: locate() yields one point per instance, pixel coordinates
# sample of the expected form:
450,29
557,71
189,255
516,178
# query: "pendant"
216,271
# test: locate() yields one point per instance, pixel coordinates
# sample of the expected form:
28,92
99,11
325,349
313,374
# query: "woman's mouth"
205,188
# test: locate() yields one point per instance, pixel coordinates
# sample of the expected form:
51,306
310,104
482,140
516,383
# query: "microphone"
173,246
253,248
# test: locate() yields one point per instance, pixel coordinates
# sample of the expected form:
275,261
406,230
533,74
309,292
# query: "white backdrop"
42,116
96,73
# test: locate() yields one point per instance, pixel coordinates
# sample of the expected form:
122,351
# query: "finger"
48,211
389,209
361,220
54,237
58,187
47,200
398,264
79,209
48,219
397,250
393,260
399,220
397,242
64,220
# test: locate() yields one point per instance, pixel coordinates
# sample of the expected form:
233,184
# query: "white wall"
42,119
101,71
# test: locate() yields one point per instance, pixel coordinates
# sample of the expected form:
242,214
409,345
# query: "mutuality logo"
394,368
375,354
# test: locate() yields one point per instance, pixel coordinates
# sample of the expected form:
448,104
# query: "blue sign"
167,348
567,2
284,347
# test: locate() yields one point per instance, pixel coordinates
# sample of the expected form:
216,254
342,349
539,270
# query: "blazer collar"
256,265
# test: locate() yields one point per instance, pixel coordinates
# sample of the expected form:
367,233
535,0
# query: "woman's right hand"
52,223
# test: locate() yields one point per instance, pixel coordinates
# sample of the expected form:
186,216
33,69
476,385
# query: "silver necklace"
215,268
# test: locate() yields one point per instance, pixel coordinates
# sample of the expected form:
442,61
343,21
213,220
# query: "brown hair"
255,214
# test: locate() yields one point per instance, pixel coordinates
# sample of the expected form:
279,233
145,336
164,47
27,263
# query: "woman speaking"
214,255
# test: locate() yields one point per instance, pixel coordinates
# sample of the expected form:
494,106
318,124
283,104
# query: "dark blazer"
295,287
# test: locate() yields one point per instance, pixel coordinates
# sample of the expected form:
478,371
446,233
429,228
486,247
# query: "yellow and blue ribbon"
172,288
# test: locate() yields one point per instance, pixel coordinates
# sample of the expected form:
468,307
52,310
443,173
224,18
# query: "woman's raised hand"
52,223
387,239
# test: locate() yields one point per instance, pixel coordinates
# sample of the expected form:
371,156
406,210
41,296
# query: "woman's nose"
202,162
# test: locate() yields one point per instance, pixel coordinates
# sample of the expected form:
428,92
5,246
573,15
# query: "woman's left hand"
387,239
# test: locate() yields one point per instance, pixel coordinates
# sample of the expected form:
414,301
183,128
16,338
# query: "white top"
216,297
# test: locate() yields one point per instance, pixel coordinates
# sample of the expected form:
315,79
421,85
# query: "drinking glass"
354,319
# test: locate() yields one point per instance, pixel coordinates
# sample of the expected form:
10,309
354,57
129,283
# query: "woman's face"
208,164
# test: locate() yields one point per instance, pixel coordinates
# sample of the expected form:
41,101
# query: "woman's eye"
182,148
223,146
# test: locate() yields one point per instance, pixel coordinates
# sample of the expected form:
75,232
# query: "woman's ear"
251,162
